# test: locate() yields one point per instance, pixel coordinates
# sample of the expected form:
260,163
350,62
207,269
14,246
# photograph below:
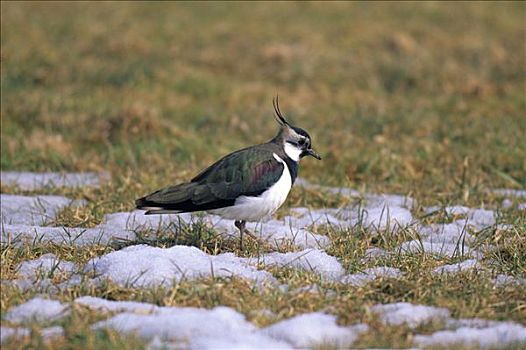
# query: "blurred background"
420,98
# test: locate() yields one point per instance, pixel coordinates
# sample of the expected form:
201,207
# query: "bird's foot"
241,226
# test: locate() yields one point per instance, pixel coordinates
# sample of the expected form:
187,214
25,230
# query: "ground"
425,101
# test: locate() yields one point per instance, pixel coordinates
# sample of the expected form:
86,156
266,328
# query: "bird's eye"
301,142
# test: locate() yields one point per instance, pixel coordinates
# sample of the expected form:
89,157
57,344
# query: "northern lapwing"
246,185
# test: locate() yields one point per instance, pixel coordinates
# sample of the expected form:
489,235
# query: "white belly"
255,208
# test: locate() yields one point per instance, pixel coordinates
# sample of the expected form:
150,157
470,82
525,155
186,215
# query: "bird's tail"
175,199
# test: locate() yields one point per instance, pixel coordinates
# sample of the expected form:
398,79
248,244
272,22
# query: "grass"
421,99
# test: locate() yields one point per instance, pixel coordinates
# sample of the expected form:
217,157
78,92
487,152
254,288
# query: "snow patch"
104,305
52,332
497,336
275,232
37,310
156,266
409,314
35,181
124,226
8,332
506,203
116,226
458,267
439,248
162,266
510,193
102,234
220,327
37,274
374,253
386,218
370,274
32,210
502,280
43,266
308,260
304,217
476,218
390,200
309,330
381,212
454,233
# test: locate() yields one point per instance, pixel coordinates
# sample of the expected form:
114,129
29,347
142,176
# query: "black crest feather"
277,112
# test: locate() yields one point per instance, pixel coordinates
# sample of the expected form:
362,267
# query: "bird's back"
247,172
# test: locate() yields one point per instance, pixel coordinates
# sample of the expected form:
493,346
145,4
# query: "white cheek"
292,151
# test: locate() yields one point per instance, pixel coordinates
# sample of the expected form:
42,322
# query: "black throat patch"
293,168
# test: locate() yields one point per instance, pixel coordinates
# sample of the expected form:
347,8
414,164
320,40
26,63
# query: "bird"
247,185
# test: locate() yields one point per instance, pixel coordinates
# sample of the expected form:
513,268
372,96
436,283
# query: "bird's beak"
313,153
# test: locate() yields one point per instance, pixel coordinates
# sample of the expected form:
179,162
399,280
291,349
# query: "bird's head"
296,141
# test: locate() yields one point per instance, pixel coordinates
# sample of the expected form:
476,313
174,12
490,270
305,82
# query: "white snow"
309,330
412,315
34,181
104,305
481,218
390,200
274,232
116,226
37,274
453,324
124,225
511,193
386,212
304,217
454,233
506,203
439,248
32,210
362,278
458,267
308,260
37,310
502,280
310,288
9,332
476,218
386,218
52,332
220,327
451,239
43,266
253,341
102,234
501,335
375,252
137,221
155,266
374,200
457,210
381,211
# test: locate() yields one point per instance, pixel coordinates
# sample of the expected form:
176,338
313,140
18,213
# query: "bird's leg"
240,224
